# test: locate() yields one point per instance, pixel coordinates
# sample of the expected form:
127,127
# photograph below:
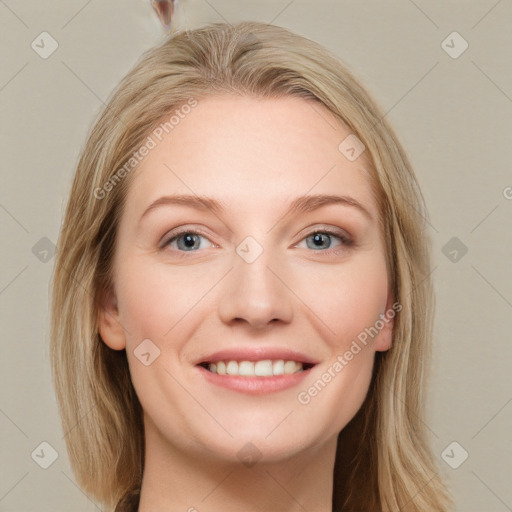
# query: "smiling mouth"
263,368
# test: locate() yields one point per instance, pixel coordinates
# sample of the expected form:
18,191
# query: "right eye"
186,240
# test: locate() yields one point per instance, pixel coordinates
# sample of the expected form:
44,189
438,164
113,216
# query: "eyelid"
306,232
347,241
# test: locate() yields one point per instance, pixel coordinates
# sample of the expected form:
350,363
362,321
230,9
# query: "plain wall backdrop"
442,73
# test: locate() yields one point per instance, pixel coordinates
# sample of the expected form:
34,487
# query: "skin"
256,156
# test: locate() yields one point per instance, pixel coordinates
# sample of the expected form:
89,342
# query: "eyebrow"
302,204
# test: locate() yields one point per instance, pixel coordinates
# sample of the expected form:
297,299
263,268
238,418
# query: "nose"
256,295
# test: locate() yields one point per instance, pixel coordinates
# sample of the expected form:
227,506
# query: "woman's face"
227,274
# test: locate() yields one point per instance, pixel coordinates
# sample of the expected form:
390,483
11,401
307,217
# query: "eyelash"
346,242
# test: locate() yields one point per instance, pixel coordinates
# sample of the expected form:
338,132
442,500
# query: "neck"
178,481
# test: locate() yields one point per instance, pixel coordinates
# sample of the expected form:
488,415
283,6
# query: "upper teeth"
265,368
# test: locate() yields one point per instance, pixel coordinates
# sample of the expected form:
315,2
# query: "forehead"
252,154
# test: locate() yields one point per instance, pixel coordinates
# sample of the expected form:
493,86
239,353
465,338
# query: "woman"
242,305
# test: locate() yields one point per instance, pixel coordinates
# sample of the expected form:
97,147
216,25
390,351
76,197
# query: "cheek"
342,300
156,298
159,302
350,306
350,299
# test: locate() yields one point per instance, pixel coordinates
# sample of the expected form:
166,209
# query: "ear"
109,324
385,337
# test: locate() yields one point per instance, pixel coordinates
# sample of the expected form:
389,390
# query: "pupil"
318,239
189,240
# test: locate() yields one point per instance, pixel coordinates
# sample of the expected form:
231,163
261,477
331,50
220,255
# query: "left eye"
323,239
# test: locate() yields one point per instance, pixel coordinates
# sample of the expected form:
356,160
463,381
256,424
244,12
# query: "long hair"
383,461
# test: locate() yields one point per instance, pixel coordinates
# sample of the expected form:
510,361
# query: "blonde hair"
383,461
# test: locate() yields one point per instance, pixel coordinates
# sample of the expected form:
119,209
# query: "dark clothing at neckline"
129,502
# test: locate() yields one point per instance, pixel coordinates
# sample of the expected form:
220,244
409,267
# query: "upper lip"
257,354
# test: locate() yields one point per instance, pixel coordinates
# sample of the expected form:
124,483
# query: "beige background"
453,116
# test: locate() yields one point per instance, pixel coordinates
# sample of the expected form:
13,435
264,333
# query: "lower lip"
255,385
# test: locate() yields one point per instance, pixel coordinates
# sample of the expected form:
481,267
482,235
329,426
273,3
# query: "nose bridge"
254,294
